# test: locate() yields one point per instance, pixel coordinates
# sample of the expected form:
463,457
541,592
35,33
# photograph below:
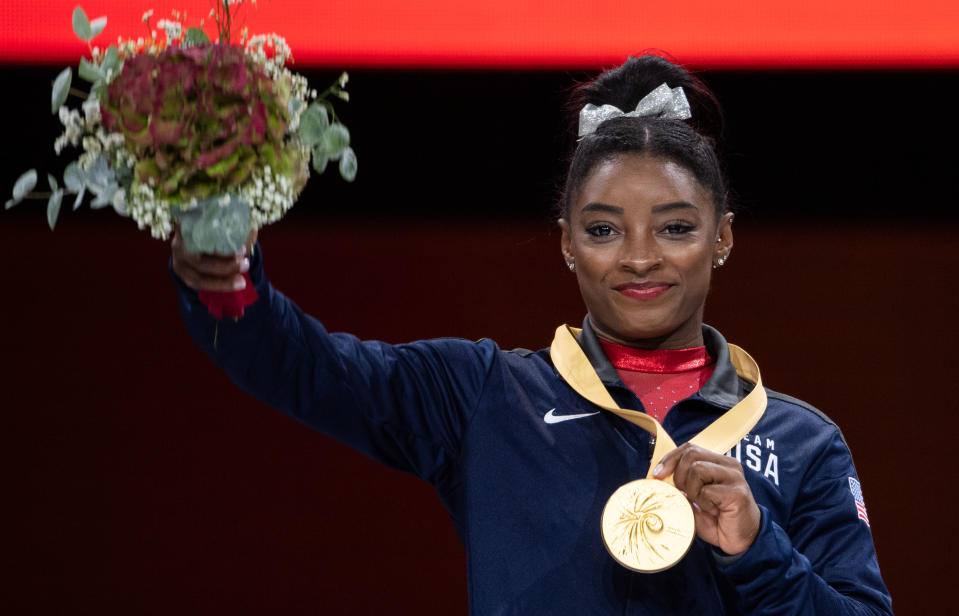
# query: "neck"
686,338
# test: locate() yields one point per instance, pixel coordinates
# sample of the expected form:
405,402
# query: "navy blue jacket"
526,495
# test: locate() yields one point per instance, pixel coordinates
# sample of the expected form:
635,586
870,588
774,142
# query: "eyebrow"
602,207
615,209
675,205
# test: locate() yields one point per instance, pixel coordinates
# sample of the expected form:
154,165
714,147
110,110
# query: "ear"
565,242
724,238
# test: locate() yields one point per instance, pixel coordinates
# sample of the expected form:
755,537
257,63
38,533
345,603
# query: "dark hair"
690,143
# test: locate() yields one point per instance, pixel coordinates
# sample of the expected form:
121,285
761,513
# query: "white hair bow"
663,102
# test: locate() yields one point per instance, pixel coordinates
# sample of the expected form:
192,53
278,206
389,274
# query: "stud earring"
719,262
572,266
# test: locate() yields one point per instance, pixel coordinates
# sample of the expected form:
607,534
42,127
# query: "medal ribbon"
719,436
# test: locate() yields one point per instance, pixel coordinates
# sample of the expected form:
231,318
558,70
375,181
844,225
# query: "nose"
640,253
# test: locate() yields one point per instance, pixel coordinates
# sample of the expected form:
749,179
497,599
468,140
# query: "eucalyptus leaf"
313,123
61,89
97,26
73,177
320,160
104,196
348,165
54,186
10,203
53,207
335,140
195,37
81,25
97,92
294,106
90,71
111,60
101,174
24,184
101,180
79,199
216,225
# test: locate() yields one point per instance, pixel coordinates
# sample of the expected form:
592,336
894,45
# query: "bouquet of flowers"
212,136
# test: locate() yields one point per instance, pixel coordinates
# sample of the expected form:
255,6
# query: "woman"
644,221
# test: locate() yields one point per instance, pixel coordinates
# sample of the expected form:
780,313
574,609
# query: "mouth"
643,291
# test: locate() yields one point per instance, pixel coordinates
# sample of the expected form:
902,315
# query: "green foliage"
313,123
53,183
320,160
24,184
73,177
195,37
111,60
348,165
90,71
81,25
216,227
61,89
53,207
101,181
97,26
335,140
84,28
75,182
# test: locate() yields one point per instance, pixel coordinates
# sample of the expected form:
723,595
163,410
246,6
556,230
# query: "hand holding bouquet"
214,137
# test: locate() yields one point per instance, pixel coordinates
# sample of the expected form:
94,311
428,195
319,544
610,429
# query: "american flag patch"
856,490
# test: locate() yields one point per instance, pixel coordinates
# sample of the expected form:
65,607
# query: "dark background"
138,480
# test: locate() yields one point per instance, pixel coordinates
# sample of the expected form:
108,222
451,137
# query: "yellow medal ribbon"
648,525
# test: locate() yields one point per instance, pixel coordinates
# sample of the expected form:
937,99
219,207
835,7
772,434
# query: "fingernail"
695,506
245,266
659,469
240,253
239,283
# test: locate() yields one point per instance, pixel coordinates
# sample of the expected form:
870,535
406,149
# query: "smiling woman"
644,223
643,235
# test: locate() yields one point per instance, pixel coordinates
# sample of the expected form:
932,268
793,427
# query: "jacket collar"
723,389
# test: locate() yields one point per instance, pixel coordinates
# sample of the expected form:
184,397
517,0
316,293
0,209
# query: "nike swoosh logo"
550,418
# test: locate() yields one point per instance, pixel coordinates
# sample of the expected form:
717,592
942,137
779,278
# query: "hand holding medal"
725,512
648,524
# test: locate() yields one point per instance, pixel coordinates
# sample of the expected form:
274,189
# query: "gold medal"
648,525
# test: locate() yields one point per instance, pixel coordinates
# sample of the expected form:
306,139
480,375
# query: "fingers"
222,277
211,272
693,468
726,512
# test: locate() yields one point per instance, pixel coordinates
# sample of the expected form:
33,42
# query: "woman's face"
643,235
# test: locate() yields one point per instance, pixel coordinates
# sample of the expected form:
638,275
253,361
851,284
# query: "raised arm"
404,405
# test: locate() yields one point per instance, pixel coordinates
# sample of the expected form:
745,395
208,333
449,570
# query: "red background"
138,480
535,33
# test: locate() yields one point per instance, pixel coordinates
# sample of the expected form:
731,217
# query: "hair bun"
625,85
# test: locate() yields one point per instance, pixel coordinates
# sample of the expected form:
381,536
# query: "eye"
678,228
599,230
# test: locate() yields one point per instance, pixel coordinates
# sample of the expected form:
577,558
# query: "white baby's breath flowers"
91,113
73,128
148,211
172,29
274,66
120,202
270,196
